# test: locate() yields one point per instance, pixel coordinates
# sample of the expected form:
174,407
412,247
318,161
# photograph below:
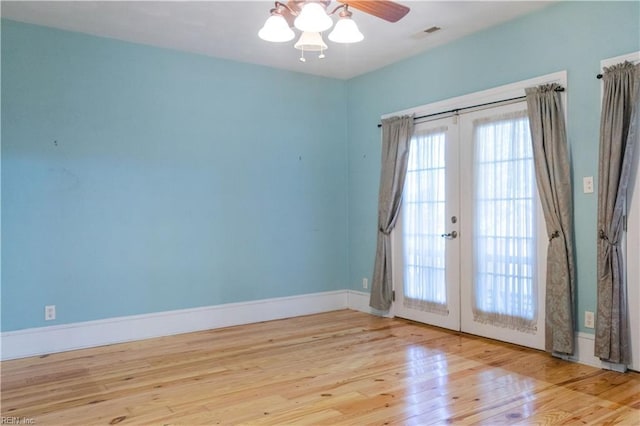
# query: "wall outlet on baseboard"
589,319
49,312
365,283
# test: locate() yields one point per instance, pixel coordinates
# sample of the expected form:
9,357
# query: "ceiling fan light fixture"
313,18
276,29
346,31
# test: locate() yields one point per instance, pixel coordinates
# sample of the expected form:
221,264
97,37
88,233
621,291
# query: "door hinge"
393,295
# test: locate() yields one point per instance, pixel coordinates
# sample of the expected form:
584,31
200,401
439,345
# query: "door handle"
450,236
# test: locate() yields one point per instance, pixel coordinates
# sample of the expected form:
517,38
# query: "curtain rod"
599,76
558,89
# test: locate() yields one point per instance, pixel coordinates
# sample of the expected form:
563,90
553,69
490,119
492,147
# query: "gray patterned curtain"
396,136
553,176
618,134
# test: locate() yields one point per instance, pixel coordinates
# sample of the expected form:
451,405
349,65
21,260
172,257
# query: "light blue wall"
572,36
139,180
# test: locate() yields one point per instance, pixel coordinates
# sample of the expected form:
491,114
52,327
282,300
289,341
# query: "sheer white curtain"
504,243
423,218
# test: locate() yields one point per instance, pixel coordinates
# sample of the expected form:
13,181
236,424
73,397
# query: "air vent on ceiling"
426,32
431,30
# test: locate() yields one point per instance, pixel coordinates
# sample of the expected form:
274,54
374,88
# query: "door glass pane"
423,209
504,243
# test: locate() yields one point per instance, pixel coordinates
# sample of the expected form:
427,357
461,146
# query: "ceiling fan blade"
387,10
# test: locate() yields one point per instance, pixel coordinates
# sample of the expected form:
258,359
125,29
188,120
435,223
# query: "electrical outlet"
49,312
365,283
587,184
589,319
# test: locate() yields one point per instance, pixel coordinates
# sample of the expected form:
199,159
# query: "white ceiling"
228,29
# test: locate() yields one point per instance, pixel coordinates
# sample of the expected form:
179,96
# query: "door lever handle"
450,236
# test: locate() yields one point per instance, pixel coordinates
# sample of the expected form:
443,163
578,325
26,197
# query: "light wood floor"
341,367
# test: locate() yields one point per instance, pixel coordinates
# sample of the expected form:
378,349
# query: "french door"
426,246
469,247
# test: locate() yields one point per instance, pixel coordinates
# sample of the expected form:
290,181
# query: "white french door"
425,244
504,234
470,245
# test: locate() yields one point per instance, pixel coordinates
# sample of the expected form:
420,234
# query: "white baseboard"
66,337
583,354
359,301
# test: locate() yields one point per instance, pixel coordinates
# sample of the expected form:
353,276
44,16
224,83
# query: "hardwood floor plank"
340,367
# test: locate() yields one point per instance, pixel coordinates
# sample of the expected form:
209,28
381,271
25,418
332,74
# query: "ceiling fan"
312,18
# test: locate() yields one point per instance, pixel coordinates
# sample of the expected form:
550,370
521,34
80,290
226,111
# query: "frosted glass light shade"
276,29
346,31
313,18
310,42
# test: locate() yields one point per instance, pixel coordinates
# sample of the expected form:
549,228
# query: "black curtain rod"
599,76
558,89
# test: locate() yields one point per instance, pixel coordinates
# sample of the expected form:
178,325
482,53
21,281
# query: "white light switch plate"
587,184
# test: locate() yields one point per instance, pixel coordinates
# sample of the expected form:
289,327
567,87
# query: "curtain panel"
553,177
618,135
396,137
